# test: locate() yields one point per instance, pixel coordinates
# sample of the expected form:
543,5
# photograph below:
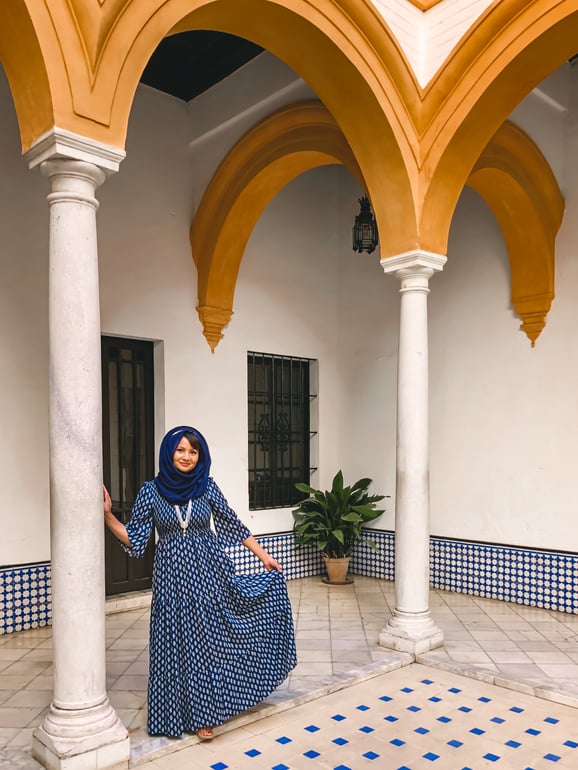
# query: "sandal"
205,733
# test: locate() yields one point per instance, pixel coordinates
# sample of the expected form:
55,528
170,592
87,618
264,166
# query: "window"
279,398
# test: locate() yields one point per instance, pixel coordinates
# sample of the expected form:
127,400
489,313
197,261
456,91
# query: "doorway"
128,450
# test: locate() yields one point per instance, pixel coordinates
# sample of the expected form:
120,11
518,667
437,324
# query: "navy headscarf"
174,485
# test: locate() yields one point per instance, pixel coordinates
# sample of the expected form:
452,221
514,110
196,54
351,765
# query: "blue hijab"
174,485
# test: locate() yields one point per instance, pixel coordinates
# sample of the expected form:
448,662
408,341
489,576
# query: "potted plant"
333,522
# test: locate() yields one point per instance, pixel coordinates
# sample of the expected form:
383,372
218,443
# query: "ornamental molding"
414,261
59,143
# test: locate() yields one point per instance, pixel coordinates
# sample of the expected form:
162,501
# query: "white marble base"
108,749
411,634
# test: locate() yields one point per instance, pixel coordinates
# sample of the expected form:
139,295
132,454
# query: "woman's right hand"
107,500
116,527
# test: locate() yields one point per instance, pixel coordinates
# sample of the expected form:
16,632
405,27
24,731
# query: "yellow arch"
509,51
94,54
25,66
76,64
517,183
286,144
362,70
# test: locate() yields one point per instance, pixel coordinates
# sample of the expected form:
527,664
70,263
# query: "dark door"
128,449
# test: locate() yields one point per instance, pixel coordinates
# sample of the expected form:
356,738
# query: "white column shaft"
81,729
412,485
77,544
411,627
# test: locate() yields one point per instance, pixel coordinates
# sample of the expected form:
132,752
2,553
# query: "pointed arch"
518,185
348,56
284,145
87,59
506,53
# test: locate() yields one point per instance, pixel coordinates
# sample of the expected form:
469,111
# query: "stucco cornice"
59,143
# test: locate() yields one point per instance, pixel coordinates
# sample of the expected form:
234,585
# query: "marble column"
81,729
411,627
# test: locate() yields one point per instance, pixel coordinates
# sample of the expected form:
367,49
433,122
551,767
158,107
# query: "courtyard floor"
503,691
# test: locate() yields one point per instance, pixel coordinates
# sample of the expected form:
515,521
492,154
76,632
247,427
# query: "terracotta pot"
337,570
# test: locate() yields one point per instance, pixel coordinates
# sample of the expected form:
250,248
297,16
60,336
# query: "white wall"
368,334
286,296
24,514
503,415
148,291
504,418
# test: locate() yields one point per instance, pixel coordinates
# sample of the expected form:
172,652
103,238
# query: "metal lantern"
365,236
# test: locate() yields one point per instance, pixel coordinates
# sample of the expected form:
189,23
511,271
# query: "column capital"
423,263
72,180
59,143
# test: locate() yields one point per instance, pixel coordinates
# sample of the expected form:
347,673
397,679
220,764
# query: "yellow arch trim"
518,185
506,53
362,70
424,5
283,146
93,54
23,60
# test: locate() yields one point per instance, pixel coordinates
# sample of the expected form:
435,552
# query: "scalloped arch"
284,145
518,185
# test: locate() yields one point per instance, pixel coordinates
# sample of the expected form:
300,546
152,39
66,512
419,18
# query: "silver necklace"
184,520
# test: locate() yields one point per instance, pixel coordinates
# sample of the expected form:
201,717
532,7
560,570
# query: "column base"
411,632
82,739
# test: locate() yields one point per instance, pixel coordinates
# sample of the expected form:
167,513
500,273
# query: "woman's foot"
205,733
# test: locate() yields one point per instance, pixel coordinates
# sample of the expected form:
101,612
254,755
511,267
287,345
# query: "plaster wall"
23,349
285,301
503,415
219,117
546,114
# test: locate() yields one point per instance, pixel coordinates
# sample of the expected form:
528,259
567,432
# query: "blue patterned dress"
219,642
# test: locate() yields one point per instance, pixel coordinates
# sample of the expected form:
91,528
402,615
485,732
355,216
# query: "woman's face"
185,456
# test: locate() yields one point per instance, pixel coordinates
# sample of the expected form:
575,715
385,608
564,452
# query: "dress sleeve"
229,528
140,525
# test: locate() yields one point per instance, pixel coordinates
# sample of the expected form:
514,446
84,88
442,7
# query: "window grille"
279,399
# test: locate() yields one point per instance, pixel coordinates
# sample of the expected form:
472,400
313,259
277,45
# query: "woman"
219,642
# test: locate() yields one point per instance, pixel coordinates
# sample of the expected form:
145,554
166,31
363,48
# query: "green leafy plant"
333,520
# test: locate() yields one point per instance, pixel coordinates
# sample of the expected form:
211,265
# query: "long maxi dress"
219,642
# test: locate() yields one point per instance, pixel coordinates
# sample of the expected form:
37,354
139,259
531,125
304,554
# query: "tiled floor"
527,651
414,717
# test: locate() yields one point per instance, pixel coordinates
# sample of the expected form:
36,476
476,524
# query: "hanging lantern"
365,236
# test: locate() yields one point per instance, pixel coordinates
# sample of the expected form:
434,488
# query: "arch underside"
511,175
76,65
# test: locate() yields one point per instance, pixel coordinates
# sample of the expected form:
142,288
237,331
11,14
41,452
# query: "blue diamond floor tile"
373,724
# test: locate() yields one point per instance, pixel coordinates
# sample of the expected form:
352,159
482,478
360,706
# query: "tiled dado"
24,597
304,561
543,579
535,578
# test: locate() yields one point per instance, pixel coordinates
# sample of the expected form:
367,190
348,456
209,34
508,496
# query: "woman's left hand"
267,560
271,564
